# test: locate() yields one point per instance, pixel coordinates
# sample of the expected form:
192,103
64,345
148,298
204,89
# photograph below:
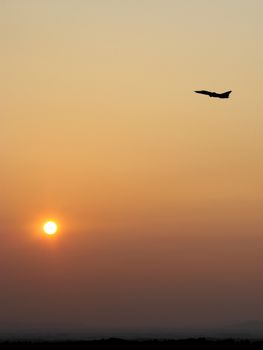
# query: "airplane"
214,94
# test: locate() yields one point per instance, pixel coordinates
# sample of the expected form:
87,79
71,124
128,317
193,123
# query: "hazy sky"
157,190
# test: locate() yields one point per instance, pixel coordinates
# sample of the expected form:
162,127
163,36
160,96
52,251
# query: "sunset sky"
157,190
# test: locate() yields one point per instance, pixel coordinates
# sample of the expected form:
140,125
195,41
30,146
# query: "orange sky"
158,190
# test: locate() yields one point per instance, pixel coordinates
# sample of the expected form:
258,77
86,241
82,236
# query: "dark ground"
116,343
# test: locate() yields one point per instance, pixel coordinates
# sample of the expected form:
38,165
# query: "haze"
158,191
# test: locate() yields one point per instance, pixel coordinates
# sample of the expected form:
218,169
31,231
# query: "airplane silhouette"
214,94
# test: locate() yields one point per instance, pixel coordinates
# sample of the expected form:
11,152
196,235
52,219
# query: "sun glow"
50,228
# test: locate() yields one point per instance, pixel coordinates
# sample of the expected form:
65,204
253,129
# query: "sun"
50,228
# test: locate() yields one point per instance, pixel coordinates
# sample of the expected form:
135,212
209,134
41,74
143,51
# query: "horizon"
244,330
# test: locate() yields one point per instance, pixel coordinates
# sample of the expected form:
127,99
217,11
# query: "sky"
157,190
